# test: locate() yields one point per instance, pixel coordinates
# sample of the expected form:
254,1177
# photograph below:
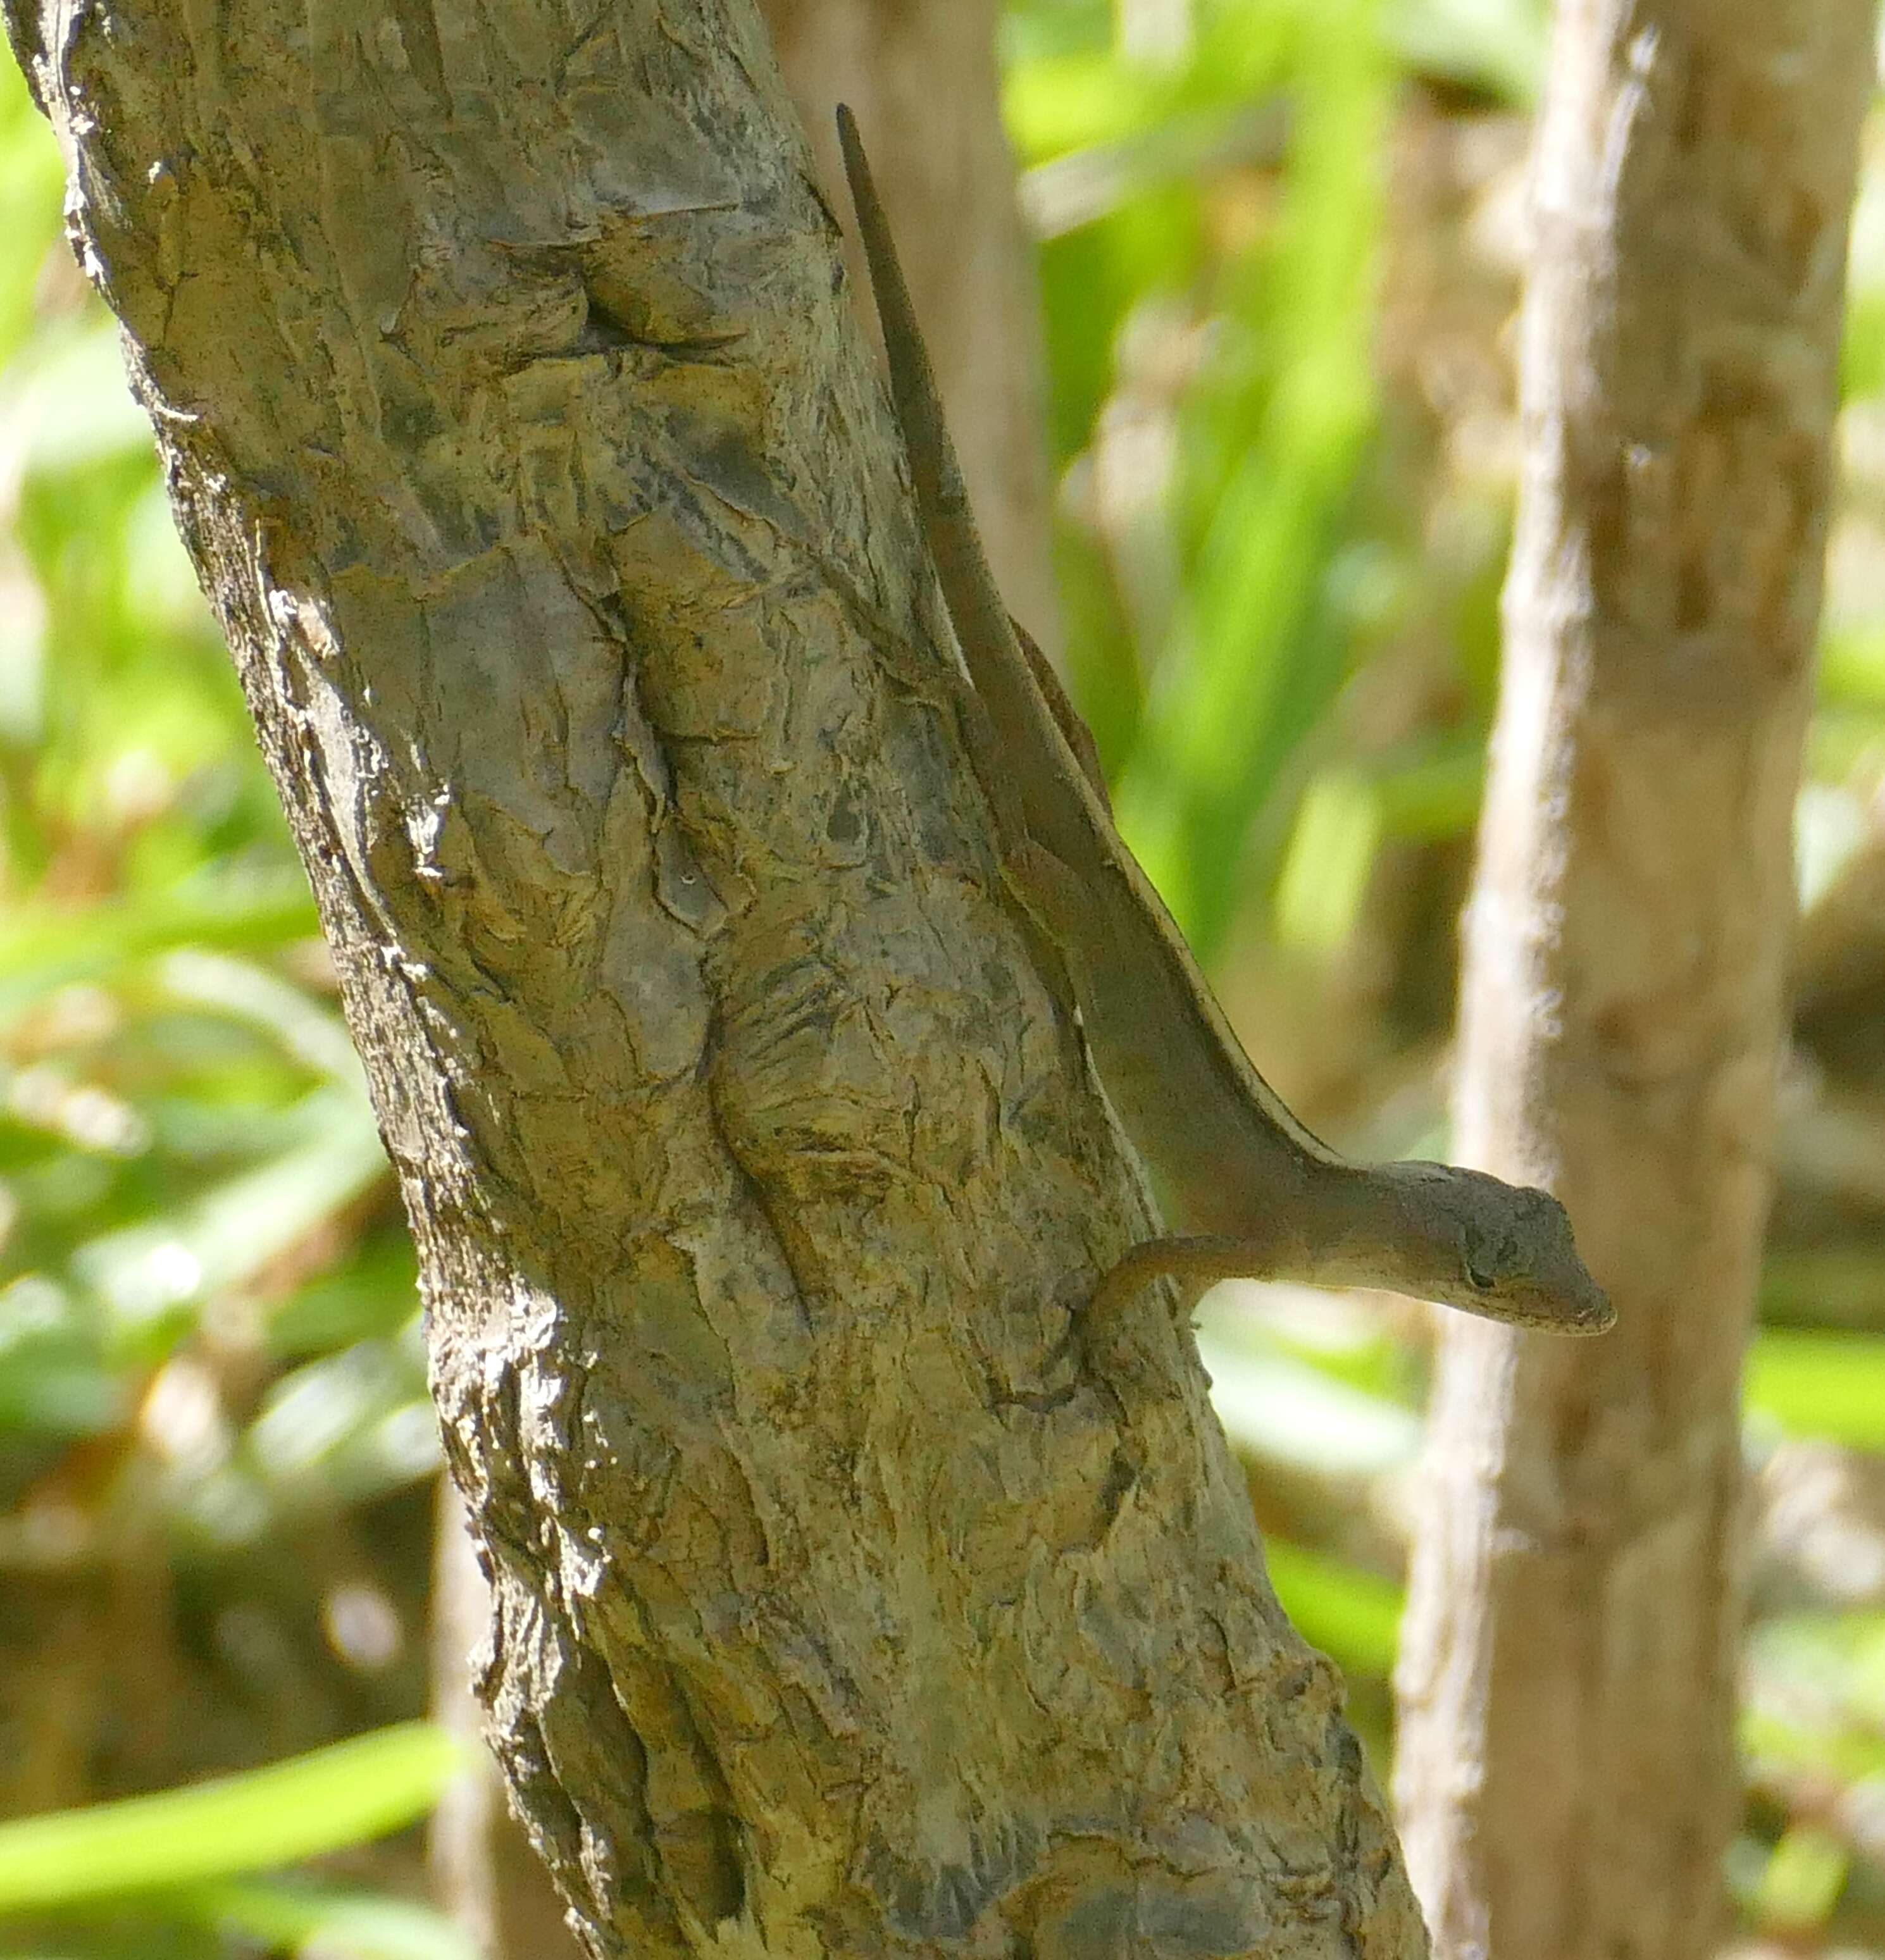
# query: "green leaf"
1325,875
1353,1616
342,1926
1844,1285
315,1036
76,408
1819,1384
32,183
353,1425
53,1381
1276,1406
303,1808
146,1271
1497,45
1852,665
1803,1879
1274,439
1433,794
41,948
46,1389
370,1297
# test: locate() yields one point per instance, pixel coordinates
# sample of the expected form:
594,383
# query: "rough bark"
923,81
847,1601
1566,1771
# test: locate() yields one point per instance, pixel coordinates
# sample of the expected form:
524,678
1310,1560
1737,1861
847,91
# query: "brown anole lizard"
1264,1198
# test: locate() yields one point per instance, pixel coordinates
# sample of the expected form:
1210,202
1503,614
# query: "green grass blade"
347,1926
144,1272
1274,447
300,1808
43,947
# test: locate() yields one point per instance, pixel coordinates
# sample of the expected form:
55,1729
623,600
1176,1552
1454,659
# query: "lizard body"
1263,1197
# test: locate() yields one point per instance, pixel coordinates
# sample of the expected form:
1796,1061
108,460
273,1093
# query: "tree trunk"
922,81
847,1600
1566,1771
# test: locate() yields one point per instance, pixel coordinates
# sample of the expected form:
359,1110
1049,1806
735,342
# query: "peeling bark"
847,1602
1566,1771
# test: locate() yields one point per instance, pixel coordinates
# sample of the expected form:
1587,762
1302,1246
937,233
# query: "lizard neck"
1352,1228
1317,1219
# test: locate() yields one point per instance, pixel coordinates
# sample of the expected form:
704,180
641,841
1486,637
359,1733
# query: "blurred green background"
1279,261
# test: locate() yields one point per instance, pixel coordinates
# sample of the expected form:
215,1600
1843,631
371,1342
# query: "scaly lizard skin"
1265,1198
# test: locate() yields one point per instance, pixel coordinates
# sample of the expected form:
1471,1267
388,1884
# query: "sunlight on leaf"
1273,1405
1353,1616
1276,435
43,948
312,1033
1495,44
146,1271
76,409
1802,1880
345,1794
340,1926
1812,1383
1325,873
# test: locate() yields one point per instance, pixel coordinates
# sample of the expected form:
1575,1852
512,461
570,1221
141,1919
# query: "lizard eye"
1477,1275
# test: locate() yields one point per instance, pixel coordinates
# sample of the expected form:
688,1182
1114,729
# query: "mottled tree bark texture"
1566,1773
922,80
846,1602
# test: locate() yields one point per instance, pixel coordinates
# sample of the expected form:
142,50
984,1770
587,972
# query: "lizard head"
1502,1250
